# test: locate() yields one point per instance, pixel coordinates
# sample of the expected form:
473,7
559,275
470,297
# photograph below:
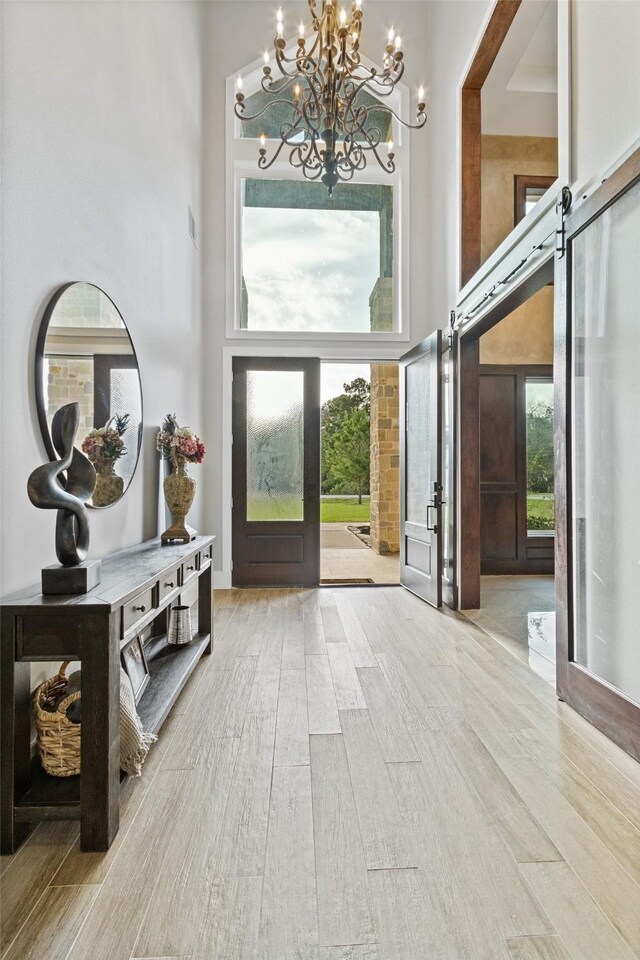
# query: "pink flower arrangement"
179,444
106,443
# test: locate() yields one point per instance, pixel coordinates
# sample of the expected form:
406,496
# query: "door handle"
432,506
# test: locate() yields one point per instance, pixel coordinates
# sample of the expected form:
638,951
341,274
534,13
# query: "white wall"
453,28
101,157
236,34
606,84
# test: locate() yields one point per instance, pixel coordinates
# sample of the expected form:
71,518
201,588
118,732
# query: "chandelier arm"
263,163
306,161
353,157
299,58
355,148
239,111
313,175
281,63
274,85
312,116
385,108
314,15
389,164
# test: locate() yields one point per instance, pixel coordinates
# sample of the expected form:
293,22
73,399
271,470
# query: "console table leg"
100,748
15,703
205,607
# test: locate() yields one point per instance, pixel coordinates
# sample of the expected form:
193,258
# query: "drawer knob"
170,583
141,609
191,568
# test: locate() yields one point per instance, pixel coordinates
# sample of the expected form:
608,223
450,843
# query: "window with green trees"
345,440
540,506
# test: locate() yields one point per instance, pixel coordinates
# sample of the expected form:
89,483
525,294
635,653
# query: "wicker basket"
58,738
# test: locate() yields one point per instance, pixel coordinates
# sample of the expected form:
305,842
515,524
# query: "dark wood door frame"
289,550
471,134
532,555
468,439
604,707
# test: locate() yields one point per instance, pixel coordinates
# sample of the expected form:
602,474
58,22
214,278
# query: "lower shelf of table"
58,798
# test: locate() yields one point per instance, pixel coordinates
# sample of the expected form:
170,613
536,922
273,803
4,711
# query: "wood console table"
138,587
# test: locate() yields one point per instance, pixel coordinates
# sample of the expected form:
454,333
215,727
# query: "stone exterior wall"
381,304
385,458
84,305
70,379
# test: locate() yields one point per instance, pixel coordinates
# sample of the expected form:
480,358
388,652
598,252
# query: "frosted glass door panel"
125,398
418,442
606,445
275,445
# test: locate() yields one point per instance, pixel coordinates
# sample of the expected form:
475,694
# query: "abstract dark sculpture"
49,491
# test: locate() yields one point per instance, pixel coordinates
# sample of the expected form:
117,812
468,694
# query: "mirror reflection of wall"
87,357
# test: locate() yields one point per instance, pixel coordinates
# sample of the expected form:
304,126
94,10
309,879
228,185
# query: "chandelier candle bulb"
343,17
263,141
420,94
398,42
391,36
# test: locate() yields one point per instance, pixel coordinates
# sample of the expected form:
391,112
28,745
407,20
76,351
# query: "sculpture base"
74,580
178,533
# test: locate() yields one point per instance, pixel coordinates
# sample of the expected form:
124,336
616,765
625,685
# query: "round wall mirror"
85,354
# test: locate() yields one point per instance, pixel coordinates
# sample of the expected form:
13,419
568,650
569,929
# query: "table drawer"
190,567
167,583
137,608
206,553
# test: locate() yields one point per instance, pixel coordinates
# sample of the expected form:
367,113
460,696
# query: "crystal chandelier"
330,130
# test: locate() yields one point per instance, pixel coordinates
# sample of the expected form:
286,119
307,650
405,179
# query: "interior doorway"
360,480
508,534
509,125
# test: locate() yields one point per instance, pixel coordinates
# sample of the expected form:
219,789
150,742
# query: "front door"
421,470
276,471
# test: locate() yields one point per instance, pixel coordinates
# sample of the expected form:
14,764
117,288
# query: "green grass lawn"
540,513
344,510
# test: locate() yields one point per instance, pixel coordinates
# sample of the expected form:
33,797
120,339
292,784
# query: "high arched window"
306,265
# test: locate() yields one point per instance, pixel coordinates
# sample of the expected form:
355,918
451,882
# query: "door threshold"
328,581
357,582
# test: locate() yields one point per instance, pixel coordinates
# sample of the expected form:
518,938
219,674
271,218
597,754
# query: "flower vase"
109,486
179,491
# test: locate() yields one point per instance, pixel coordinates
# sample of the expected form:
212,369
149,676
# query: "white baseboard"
221,579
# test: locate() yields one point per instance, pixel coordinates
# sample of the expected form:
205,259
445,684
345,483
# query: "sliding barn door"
421,470
276,471
598,457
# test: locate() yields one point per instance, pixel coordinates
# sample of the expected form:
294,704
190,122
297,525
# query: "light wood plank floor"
350,776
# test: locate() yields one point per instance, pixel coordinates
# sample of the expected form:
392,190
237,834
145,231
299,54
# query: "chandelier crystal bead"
330,133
